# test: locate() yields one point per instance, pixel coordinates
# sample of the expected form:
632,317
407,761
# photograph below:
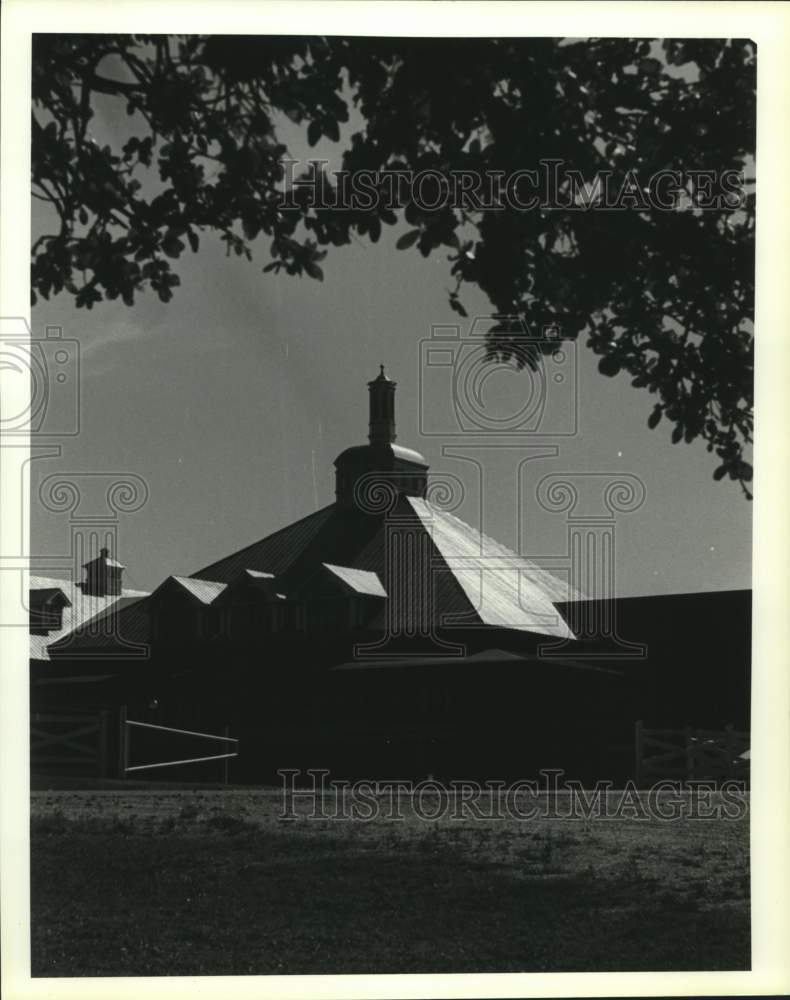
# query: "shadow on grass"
232,899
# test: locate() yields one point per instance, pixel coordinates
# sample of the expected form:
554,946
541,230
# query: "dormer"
341,598
46,610
253,605
182,609
250,587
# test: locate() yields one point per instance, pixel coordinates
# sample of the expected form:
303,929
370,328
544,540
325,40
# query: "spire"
382,409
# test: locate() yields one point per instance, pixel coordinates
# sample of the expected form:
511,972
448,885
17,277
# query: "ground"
142,881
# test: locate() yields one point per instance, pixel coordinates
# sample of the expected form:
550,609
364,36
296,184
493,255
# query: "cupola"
405,470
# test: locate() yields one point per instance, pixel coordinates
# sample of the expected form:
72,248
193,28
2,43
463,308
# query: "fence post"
103,761
638,751
730,743
123,742
690,756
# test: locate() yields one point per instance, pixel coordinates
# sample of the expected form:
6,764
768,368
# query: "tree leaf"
314,132
456,306
172,246
408,239
608,366
668,294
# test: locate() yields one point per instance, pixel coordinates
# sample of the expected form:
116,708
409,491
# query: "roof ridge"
252,545
495,544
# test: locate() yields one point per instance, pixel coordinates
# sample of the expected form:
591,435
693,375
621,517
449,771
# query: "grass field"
141,882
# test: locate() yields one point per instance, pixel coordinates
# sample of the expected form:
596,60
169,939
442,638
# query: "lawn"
151,882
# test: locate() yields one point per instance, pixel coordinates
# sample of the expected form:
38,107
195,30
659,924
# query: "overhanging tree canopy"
665,295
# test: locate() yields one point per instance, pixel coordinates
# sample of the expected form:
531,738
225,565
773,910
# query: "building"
384,635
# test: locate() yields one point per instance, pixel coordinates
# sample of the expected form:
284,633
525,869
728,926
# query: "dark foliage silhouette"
665,296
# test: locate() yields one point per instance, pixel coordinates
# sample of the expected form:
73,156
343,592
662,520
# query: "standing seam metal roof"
81,609
204,590
363,581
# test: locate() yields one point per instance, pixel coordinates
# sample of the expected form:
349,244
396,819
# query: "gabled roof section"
359,581
117,626
81,608
505,590
205,591
49,596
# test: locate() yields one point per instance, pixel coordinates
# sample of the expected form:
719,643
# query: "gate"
69,742
690,754
126,726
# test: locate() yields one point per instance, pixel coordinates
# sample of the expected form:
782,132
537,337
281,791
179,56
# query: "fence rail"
126,725
82,744
691,754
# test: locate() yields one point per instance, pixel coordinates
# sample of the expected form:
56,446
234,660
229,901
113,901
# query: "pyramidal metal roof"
505,589
474,579
271,554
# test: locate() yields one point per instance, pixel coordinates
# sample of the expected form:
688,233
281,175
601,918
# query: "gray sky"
232,400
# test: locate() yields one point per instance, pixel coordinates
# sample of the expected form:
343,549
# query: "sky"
232,400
